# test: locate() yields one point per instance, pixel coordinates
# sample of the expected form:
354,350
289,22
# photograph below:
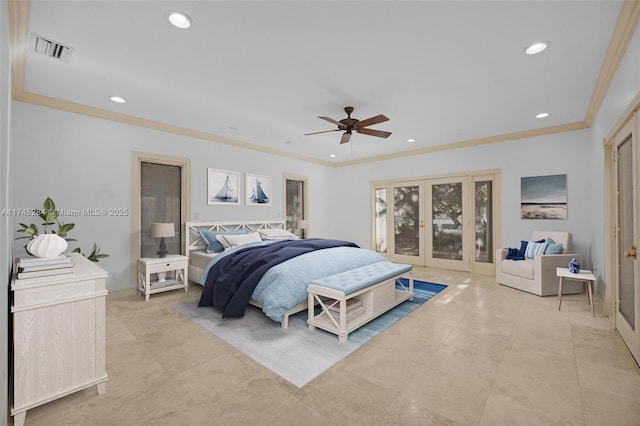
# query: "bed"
282,290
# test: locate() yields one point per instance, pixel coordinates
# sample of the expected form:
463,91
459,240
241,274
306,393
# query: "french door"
407,222
627,307
448,233
442,222
295,205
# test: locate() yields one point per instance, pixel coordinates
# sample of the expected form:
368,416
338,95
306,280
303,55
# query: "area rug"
297,353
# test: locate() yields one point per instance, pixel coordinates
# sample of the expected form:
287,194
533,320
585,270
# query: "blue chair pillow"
553,247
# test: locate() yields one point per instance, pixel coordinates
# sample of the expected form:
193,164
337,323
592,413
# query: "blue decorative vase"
574,266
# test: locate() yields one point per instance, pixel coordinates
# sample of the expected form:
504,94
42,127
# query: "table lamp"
162,230
303,225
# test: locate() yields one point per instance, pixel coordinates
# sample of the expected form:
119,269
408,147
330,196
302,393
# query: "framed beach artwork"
223,187
258,190
543,197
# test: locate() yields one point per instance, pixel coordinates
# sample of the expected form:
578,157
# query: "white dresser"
58,335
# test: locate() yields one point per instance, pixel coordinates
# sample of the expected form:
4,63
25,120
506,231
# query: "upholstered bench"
352,298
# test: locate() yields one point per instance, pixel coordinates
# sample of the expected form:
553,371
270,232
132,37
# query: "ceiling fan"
349,125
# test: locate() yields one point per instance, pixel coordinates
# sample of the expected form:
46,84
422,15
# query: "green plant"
49,216
95,254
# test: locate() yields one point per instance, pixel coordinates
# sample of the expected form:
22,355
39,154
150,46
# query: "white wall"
85,163
563,153
5,223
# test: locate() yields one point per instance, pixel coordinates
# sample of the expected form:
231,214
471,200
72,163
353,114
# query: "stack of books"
354,309
33,267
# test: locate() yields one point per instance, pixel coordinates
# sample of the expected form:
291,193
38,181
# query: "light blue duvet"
285,285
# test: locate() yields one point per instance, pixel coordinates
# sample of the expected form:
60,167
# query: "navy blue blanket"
232,279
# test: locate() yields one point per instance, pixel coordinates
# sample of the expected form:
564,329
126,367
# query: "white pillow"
229,241
276,234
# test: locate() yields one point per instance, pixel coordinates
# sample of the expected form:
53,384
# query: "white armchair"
538,275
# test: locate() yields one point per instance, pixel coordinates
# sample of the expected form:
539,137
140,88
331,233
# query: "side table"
170,274
584,275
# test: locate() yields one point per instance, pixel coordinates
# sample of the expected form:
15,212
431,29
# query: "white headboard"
194,242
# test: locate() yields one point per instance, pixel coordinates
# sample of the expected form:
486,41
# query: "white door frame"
137,158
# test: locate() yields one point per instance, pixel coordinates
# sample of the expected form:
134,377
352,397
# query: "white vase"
47,245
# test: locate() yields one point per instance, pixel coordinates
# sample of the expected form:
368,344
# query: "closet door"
627,312
406,239
448,236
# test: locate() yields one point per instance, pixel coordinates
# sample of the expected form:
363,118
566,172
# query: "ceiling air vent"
50,48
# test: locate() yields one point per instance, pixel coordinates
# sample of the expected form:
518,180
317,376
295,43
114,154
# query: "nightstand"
158,274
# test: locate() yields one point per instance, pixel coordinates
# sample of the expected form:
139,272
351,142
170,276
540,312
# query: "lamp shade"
303,224
159,230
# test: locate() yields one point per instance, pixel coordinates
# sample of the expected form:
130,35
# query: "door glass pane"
446,221
626,232
294,206
484,219
160,187
406,203
381,220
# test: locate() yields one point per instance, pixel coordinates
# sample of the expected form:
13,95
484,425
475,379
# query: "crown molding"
622,34
569,127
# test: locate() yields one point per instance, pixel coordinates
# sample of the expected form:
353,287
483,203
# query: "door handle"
631,254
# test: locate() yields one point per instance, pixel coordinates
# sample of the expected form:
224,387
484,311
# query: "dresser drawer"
169,265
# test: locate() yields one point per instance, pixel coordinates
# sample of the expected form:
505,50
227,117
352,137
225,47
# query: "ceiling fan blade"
346,137
324,131
330,120
373,120
373,132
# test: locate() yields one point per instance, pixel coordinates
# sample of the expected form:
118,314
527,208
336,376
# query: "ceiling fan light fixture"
179,20
536,48
349,124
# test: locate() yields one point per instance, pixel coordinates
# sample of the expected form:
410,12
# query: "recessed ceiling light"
332,155
411,140
536,47
542,115
117,99
179,20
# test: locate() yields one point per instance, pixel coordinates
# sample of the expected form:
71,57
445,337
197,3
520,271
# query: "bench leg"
310,310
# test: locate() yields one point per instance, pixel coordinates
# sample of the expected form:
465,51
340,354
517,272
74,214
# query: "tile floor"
478,354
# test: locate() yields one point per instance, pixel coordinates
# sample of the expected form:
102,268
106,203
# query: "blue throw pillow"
523,249
553,247
535,248
512,253
213,245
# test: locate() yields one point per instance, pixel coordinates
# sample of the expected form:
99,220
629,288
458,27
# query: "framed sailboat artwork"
258,190
223,187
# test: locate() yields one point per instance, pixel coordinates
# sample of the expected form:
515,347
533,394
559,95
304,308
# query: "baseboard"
118,294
